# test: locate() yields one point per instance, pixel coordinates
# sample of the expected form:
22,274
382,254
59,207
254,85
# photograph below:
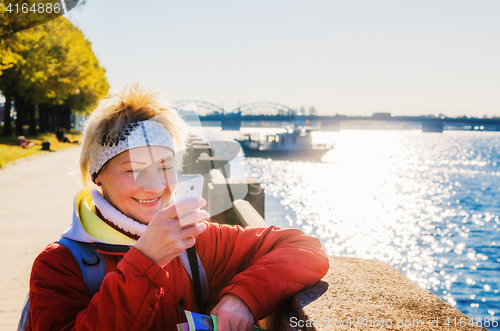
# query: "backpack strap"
23,321
193,263
188,258
92,264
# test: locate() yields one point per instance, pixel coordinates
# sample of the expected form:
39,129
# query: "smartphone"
188,187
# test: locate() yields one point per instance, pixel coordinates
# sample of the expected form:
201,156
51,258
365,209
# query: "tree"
9,57
54,62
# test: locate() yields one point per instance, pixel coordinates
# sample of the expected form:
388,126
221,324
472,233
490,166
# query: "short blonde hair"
134,103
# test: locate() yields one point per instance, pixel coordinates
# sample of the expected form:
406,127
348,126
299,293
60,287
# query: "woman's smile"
147,201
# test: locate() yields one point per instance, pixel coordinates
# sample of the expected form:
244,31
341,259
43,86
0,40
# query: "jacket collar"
86,226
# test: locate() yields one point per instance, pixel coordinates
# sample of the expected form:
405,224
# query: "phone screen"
188,187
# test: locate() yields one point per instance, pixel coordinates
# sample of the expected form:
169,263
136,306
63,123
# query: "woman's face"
139,182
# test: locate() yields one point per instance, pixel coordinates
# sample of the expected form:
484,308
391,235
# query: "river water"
425,203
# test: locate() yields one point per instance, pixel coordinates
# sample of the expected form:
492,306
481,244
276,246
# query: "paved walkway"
36,206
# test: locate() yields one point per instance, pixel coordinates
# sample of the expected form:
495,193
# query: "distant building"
382,115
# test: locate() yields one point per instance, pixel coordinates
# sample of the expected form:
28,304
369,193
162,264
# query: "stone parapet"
365,294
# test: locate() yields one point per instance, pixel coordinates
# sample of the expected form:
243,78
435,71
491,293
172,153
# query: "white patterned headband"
138,134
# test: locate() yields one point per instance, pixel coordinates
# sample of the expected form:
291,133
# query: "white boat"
293,144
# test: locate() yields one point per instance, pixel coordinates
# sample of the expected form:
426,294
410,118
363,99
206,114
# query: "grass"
10,150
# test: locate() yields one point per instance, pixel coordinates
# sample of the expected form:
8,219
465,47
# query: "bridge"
269,113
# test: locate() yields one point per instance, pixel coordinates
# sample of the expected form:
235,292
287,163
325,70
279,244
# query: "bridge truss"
202,107
265,108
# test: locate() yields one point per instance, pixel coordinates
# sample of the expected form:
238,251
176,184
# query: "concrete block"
204,165
193,154
196,142
222,192
247,215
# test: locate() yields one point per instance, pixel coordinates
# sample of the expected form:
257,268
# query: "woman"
130,150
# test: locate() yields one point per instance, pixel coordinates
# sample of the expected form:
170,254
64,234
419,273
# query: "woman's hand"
233,314
165,238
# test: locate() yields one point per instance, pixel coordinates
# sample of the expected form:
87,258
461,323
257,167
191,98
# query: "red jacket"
262,266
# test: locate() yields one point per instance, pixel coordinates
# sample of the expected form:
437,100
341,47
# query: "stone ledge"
368,290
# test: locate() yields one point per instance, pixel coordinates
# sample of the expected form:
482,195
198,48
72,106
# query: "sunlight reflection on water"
424,203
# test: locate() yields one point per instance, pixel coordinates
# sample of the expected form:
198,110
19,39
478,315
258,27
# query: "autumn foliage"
50,68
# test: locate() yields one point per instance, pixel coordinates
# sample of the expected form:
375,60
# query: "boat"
293,144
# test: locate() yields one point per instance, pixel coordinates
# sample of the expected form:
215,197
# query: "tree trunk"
59,117
32,119
7,126
21,115
51,119
67,118
42,118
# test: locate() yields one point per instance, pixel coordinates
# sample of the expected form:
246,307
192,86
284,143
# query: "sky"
349,57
